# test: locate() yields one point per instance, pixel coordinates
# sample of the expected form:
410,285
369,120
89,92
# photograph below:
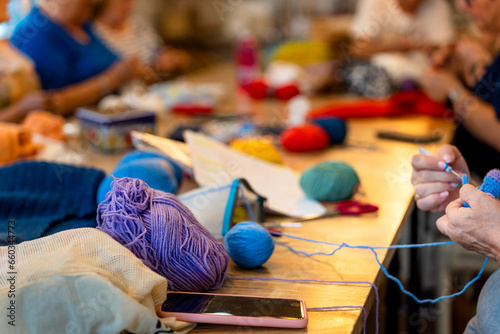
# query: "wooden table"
384,169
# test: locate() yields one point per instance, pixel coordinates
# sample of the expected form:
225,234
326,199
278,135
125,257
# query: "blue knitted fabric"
46,198
491,183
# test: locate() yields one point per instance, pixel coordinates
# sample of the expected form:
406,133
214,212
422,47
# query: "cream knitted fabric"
79,252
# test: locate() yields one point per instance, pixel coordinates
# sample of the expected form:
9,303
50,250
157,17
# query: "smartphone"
408,137
235,310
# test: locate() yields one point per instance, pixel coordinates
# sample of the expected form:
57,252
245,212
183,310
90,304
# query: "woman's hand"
170,60
442,57
33,101
125,70
17,112
438,84
476,228
435,188
474,59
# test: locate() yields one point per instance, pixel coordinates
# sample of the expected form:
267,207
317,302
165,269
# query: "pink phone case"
238,320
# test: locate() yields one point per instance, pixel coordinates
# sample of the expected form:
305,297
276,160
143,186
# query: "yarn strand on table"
355,283
384,270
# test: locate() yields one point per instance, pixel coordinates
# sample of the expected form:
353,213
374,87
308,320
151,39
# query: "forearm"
66,100
11,113
365,48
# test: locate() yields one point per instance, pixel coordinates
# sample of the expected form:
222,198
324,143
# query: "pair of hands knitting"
476,228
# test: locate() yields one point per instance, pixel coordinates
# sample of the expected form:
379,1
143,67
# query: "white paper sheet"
215,164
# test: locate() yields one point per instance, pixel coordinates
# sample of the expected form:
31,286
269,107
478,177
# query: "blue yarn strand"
422,301
247,203
431,244
386,273
354,283
371,248
211,190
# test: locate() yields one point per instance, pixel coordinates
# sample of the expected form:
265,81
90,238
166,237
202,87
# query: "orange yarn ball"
305,138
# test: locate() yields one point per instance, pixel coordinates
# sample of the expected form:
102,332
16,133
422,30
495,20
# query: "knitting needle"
448,168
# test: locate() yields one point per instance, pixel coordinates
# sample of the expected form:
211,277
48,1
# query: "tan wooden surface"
384,169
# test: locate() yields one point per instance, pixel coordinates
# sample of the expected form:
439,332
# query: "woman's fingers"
426,176
425,189
433,201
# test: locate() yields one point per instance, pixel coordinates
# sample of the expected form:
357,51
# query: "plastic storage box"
110,133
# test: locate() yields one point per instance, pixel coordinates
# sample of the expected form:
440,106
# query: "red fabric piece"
257,89
404,103
305,138
287,92
192,108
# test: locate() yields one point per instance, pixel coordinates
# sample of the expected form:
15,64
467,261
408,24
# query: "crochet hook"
448,168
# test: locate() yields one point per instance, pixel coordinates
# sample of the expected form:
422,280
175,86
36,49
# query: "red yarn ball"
257,89
287,92
190,108
305,138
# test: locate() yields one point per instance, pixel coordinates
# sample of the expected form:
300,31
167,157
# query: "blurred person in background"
128,36
396,36
468,76
19,85
74,67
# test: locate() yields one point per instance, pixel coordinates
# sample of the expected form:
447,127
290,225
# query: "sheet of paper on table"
175,150
214,163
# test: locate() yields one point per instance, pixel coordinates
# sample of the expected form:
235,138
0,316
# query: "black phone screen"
409,137
234,305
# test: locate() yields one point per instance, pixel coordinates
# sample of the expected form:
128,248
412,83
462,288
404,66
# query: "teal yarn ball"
330,181
158,174
249,245
335,127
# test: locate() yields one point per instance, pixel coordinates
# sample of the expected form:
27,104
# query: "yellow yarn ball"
261,148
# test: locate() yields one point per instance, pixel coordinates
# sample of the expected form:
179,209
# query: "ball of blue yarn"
335,127
158,173
249,245
135,155
330,181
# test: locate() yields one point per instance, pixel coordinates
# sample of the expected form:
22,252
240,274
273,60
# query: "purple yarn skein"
164,234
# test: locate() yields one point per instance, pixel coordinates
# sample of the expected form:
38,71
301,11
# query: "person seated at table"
19,85
468,78
396,35
73,66
476,228
128,36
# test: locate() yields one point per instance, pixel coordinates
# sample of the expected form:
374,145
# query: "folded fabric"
403,103
44,198
81,281
15,143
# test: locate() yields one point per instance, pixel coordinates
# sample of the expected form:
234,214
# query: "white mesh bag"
81,281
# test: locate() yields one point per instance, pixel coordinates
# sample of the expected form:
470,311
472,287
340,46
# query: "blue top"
480,157
59,59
